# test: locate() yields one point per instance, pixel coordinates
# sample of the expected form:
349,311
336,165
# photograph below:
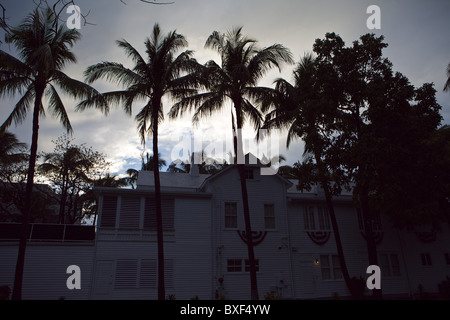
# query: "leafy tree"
162,74
377,109
44,50
307,110
235,80
71,169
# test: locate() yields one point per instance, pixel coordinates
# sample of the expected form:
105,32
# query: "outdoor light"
316,262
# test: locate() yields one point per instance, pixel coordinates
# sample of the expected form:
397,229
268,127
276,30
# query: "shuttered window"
109,209
168,214
148,273
168,273
130,208
126,273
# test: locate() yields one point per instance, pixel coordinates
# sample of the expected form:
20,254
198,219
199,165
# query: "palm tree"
304,110
243,65
149,162
44,49
11,149
162,74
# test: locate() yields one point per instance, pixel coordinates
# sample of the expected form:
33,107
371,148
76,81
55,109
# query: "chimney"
194,165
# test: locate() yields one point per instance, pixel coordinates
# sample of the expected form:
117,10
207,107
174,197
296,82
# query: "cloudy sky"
417,33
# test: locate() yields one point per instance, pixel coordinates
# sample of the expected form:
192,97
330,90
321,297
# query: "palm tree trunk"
159,226
248,228
18,279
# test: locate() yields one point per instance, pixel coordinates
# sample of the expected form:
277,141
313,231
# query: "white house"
205,249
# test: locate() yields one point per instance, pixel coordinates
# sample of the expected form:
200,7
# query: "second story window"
376,221
269,216
231,215
316,218
248,173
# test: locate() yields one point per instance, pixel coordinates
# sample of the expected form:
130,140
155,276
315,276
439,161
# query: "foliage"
271,296
72,171
236,79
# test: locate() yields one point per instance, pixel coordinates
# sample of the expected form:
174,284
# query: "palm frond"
251,114
57,109
14,65
113,72
267,59
20,110
208,107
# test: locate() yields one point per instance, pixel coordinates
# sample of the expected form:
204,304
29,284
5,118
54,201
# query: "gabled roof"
250,161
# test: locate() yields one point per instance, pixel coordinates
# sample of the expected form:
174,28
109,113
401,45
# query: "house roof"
170,179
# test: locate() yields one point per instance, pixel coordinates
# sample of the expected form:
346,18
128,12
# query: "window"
324,218
230,215
426,259
148,273
108,217
248,173
126,273
389,265
376,221
168,214
330,267
269,216
130,212
316,218
234,265
308,218
247,265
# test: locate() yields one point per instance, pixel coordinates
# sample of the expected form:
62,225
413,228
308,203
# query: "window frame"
270,222
227,216
329,264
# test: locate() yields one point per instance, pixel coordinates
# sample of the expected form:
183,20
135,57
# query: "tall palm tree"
44,49
161,74
304,110
236,80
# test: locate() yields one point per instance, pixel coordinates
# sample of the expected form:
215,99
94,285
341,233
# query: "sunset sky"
416,31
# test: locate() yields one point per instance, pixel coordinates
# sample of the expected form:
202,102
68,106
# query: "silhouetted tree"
161,74
43,51
235,80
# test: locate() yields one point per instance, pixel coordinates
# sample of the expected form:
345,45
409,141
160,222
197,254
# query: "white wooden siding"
45,270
